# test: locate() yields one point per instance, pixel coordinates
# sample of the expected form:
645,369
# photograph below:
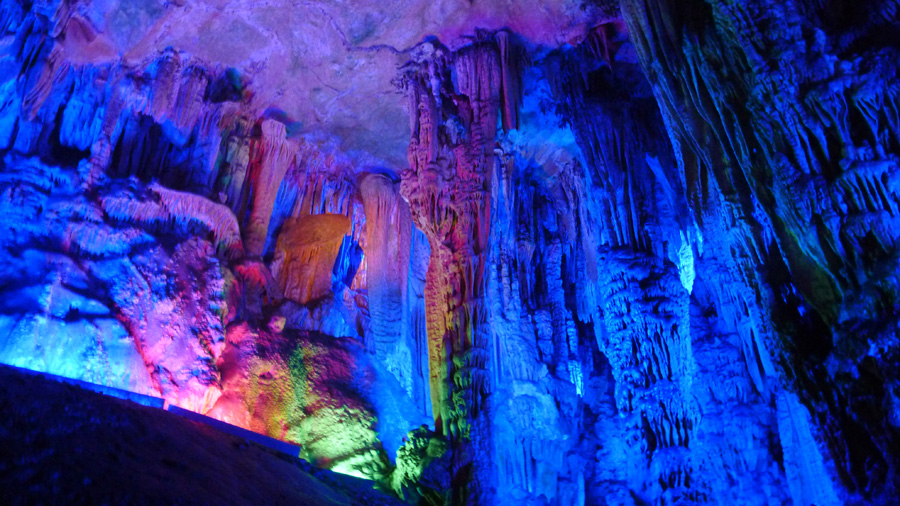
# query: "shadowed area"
60,444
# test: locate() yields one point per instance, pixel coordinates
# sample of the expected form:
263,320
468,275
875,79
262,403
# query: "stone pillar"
388,247
271,156
447,186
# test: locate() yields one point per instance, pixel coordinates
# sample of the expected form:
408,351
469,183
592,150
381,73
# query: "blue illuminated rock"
634,252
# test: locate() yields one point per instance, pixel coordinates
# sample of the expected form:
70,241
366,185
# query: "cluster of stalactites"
454,124
648,343
800,184
165,122
633,205
454,127
604,97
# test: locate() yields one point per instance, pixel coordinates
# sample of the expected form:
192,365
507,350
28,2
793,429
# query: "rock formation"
638,252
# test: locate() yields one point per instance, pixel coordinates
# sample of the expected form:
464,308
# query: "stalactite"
510,75
271,157
644,256
179,207
388,249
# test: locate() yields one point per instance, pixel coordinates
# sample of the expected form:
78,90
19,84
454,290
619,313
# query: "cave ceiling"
331,66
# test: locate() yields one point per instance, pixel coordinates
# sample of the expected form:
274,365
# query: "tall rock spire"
451,157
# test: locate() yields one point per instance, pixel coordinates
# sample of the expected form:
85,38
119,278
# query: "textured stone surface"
306,250
636,253
329,65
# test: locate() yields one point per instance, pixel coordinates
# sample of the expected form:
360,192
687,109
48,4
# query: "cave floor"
61,444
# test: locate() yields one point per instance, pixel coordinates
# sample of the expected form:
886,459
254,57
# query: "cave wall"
652,264
152,213
800,101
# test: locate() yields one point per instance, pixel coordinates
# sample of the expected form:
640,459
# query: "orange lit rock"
305,255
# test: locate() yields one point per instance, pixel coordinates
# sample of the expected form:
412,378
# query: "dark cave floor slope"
60,444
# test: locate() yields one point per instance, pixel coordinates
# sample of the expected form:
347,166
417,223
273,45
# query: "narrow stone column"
451,162
271,156
388,248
